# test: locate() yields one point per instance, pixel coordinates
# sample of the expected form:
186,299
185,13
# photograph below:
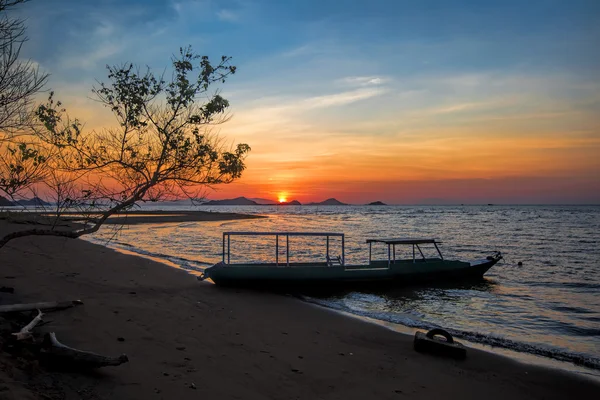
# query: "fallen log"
25,332
43,306
63,355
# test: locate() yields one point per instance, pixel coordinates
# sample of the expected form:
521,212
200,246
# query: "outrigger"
333,270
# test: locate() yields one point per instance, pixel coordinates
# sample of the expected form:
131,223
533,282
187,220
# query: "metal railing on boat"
391,247
327,235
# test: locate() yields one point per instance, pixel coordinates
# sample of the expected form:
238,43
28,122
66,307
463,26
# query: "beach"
190,339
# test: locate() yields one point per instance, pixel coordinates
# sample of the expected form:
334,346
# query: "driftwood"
25,332
67,356
47,305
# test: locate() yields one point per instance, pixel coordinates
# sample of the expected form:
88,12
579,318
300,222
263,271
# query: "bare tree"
163,146
22,159
20,80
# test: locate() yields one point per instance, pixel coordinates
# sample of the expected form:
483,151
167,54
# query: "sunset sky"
400,101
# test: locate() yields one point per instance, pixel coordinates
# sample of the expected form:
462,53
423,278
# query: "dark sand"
230,344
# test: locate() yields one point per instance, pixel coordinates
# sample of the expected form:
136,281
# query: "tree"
162,146
22,160
20,80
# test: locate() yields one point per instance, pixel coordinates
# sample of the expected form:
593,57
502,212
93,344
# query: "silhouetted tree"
22,160
20,80
163,146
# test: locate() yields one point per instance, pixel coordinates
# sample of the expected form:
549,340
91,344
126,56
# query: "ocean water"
549,306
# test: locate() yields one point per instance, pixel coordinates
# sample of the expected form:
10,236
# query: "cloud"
340,99
227,15
98,56
303,50
363,80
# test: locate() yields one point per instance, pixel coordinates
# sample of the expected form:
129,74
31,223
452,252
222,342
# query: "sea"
541,303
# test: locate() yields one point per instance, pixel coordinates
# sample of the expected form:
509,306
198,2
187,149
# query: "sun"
282,198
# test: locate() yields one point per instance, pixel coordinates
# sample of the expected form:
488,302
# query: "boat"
332,270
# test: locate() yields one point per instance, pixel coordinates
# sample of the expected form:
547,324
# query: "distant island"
243,201
289,203
263,202
257,201
238,201
4,202
328,202
34,201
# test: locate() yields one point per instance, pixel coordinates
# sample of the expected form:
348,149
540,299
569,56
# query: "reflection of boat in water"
333,271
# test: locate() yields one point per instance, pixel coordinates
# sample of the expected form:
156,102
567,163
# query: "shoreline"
513,354
187,338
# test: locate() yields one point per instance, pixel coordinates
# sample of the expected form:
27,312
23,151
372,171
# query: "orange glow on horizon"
492,156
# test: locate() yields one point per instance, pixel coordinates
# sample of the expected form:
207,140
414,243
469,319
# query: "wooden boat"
333,271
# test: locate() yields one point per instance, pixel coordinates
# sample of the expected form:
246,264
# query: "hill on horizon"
289,203
34,201
328,202
377,203
261,201
4,202
238,201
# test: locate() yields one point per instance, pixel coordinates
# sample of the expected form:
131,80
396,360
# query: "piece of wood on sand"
25,332
65,356
42,306
431,342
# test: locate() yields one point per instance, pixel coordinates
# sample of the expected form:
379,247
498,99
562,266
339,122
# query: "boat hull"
378,274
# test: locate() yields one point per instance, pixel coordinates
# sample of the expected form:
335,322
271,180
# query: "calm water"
549,306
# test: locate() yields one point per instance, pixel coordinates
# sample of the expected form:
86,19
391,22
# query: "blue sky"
343,80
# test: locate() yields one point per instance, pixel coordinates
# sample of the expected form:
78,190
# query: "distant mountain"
238,201
35,201
328,202
260,201
4,202
377,203
290,203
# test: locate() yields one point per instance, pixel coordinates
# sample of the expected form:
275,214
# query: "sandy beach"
190,339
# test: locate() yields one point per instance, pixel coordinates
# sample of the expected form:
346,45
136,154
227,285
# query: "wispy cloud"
99,55
363,80
227,15
339,99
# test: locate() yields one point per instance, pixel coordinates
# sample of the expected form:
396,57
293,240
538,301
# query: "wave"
474,337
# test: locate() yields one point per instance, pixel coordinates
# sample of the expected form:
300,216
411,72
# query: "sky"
402,101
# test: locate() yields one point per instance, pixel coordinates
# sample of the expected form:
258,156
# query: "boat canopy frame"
391,247
227,235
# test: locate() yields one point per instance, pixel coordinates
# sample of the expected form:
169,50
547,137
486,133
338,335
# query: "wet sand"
189,339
